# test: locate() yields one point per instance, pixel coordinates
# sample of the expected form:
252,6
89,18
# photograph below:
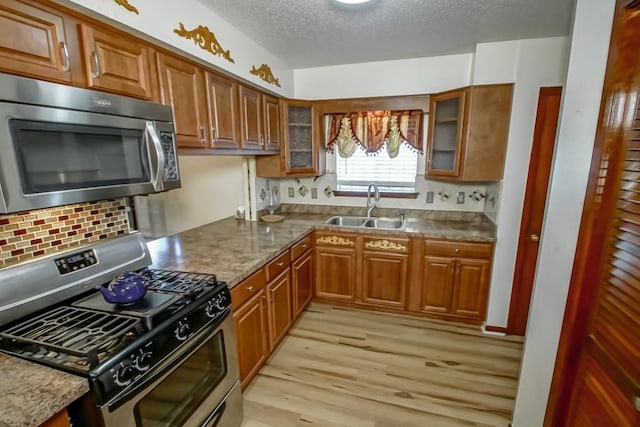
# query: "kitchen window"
379,147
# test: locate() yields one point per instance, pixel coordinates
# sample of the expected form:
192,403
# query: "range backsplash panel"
31,234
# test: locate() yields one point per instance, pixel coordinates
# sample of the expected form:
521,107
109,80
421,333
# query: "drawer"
385,244
301,247
278,265
250,286
458,249
340,240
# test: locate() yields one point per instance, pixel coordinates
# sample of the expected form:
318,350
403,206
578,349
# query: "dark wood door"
597,375
117,63
335,273
33,41
471,288
251,119
544,140
279,298
438,274
302,280
223,111
272,131
183,87
384,279
252,336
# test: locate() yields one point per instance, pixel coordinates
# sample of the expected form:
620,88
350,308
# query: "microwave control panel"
76,262
170,158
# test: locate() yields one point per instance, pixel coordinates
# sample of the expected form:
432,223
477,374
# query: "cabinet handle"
636,402
203,137
457,250
214,134
250,288
65,56
261,138
279,264
304,245
96,64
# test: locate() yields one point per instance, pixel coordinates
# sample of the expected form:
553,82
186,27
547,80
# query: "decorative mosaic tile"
32,234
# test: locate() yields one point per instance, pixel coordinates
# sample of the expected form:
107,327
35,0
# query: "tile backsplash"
31,234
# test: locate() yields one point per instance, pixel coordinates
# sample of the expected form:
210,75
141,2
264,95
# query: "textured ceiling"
310,33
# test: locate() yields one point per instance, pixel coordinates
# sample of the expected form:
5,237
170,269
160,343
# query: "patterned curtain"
369,130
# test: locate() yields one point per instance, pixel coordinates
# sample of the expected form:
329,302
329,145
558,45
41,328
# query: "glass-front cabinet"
446,127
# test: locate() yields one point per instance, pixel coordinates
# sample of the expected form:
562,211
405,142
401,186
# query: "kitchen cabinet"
61,419
183,87
38,41
335,259
385,268
224,126
455,279
115,62
279,307
252,336
300,154
302,281
468,130
260,120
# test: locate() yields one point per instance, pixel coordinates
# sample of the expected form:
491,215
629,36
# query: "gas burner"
185,283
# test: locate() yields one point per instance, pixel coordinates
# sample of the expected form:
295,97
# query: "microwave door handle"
156,157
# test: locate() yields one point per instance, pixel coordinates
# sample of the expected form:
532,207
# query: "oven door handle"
216,416
156,157
178,358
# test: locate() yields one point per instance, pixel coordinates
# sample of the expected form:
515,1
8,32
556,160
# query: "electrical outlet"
460,198
314,193
429,196
291,192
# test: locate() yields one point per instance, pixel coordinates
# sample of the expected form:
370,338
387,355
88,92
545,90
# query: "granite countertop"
232,249
32,393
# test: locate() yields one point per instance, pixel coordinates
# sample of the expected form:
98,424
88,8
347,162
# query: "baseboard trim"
494,330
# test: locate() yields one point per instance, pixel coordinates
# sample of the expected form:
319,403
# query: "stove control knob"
143,360
182,330
124,375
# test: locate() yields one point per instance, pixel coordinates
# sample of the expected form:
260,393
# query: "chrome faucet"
376,195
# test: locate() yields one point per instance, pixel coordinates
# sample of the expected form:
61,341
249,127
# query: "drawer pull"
385,245
304,245
279,264
335,240
457,250
96,64
65,56
250,288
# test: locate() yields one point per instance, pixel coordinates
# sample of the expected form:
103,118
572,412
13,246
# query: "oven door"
53,157
189,388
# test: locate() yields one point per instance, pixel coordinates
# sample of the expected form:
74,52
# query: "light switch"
460,198
314,193
429,196
291,192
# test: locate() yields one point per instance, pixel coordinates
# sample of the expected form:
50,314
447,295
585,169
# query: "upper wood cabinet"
271,113
251,119
468,130
224,126
300,154
115,62
37,41
183,87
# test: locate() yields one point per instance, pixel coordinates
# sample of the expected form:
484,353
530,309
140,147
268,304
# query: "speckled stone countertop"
30,393
232,249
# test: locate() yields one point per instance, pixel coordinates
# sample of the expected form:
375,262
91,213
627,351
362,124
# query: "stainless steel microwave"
62,145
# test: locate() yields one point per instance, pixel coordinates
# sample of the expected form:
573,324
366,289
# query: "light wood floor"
346,367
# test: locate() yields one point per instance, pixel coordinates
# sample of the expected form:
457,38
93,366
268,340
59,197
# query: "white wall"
159,21
538,62
210,191
576,132
384,78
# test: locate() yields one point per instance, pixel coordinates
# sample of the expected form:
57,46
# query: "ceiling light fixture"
352,1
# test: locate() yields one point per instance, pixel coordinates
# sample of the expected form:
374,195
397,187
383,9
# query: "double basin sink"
368,222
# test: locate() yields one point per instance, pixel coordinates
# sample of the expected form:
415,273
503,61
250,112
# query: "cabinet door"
252,337
33,41
335,273
301,152
271,111
116,63
384,279
279,298
445,140
302,279
471,288
183,87
223,107
437,284
250,119
61,419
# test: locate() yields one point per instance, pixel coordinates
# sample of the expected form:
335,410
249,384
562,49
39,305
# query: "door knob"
534,237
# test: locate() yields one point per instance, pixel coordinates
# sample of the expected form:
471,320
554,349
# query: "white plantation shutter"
355,173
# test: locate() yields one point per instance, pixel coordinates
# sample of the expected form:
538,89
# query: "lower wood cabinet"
335,259
279,308
61,419
385,269
302,282
252,336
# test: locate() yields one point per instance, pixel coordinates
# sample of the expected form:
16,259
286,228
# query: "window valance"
370,130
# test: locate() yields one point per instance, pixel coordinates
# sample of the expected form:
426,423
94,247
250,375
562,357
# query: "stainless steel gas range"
168,359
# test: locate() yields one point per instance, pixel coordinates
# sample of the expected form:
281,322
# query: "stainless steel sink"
366,222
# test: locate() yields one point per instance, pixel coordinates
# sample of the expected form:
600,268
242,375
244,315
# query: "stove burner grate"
76,332
178,281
